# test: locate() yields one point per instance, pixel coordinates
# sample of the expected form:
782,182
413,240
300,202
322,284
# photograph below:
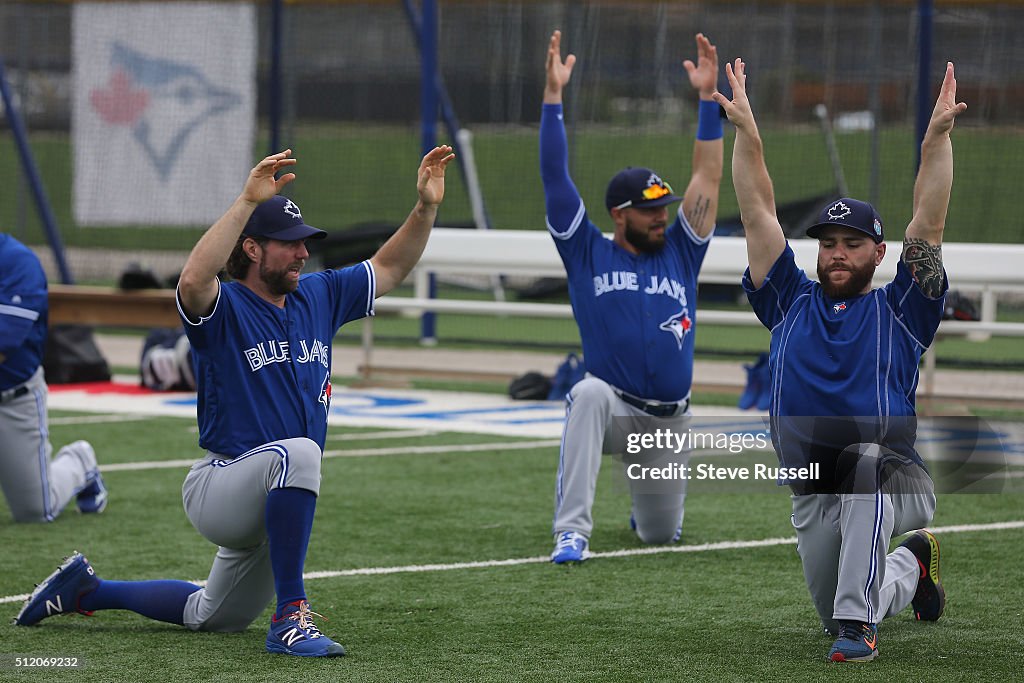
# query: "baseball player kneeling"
36,484
262,349
843,362
634,298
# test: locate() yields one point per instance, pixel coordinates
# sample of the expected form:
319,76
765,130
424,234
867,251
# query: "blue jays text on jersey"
278,351
626,280
634,311
851,358
263,372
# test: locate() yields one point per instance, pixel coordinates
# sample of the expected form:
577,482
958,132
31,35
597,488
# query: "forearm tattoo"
925,263
699,213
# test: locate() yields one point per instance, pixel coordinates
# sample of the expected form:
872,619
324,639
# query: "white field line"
629,552
95,419
372,436
368,436
358,453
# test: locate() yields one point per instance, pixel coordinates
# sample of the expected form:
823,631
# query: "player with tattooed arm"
844,366
634,298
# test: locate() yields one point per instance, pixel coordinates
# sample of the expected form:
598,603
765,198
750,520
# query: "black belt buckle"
20,391
652,409
660,409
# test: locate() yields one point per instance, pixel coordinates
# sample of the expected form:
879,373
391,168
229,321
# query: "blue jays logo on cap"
640,188
849,213
279,218
838,211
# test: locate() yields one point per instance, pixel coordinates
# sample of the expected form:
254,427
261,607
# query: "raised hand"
737,109
430,182
704,74
946,107
261,184
558,72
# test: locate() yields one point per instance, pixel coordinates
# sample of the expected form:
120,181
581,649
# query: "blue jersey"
23,312
636,312
853,357
263,372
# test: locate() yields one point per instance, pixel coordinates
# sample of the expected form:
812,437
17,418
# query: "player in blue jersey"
36,486
262,348
845,357
634,298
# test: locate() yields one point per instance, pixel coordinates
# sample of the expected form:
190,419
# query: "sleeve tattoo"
925,263
700,213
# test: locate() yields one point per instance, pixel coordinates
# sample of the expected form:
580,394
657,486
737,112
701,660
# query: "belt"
11,394
654,408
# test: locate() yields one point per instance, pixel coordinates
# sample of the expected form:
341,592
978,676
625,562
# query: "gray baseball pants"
598,422
36,487
225,499
843,542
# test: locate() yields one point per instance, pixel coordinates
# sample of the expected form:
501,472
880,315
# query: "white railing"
986,268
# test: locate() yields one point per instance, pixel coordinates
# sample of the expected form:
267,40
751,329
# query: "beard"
642,240
858,280
278,282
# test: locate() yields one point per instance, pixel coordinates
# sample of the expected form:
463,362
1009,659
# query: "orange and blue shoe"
930,599
857,642
294,633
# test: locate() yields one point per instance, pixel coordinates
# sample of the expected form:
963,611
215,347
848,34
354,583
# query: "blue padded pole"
451,121
428,125
28,165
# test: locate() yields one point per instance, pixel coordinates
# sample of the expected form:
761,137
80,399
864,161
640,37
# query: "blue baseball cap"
639,188
850,213
279,218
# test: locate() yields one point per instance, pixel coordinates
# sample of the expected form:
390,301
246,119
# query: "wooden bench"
112,307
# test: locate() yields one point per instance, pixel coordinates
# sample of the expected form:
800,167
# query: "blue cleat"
857,642
60,592
294,633
570,546
92,499
930,599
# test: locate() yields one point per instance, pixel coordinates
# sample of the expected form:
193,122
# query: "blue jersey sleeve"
692,246
565,210
23,312
785,283
22,301
918,314
352,291
24,307
566,214
204,330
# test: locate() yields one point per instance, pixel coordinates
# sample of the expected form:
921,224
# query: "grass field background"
740,614
379,187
